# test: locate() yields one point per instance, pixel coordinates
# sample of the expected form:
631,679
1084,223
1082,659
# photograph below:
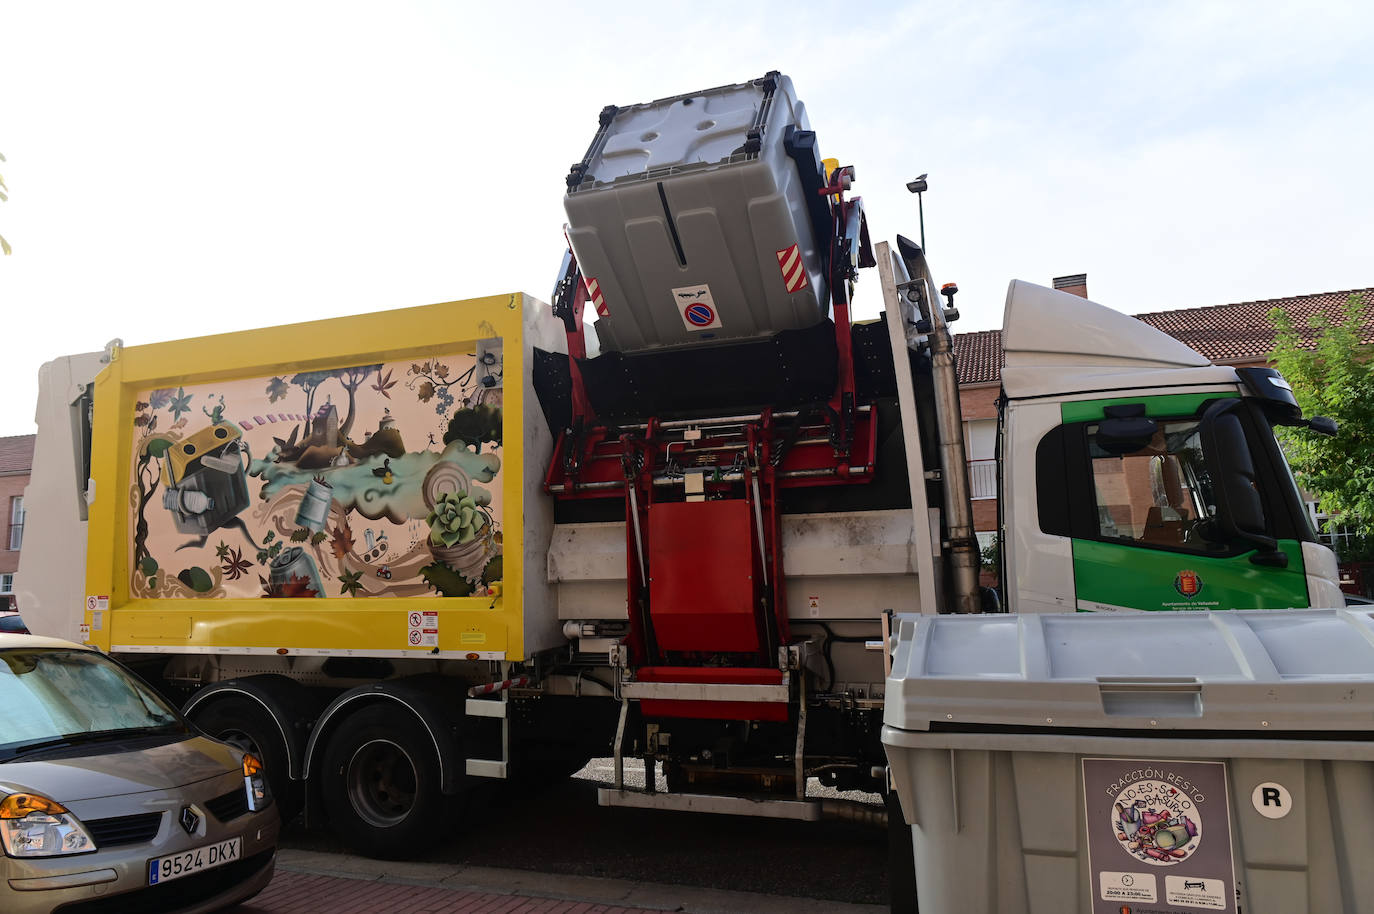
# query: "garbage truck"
665,518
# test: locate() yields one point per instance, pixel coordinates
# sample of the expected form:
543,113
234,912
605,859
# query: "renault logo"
189,820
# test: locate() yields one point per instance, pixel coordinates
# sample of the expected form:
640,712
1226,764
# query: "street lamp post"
918,187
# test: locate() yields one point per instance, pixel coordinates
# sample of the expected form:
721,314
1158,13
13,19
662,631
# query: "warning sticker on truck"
1148,817
422,628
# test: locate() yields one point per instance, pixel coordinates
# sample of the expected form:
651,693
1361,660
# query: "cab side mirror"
1323,425
1240,509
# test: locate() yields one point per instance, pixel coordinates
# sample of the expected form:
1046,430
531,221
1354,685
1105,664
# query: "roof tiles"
1223,333
16,454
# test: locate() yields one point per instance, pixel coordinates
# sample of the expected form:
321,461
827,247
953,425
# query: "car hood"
89,777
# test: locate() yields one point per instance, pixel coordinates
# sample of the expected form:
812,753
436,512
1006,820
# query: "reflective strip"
793,273
594,293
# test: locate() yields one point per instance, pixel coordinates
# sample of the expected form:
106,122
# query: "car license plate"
174,866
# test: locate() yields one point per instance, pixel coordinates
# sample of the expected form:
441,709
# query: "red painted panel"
715,710
701,568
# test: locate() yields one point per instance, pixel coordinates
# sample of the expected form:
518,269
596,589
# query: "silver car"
110,801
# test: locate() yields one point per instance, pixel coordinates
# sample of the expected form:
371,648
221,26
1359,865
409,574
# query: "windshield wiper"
58,743
98,736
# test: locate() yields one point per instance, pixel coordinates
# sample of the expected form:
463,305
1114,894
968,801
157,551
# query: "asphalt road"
562,830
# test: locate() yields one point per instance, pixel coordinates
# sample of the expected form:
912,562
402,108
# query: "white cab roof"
1056,342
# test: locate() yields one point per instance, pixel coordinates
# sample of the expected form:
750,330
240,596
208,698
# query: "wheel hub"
381,783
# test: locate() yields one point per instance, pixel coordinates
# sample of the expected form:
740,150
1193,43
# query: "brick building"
1236,334
16,460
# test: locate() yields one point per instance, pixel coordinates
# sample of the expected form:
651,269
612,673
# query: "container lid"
700,129
1254,670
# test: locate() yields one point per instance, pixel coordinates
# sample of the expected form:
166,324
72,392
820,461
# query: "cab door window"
1159,495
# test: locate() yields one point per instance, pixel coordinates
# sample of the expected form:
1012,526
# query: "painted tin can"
295,563
313,513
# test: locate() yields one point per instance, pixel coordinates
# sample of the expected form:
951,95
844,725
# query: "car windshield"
63,695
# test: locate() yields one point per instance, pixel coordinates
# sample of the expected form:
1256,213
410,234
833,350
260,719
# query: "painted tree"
1336,379
310,382
352,379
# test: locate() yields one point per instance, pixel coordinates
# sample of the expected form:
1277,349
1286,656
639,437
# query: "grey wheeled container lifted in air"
1164,762
700,218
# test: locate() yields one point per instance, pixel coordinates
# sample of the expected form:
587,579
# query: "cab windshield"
64,696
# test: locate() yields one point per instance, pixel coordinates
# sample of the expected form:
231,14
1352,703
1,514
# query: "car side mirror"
1240,509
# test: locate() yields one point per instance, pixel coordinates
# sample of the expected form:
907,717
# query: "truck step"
806,810
803,810
714,693
496,709
486,768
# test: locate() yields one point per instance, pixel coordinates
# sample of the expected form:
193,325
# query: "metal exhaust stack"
963,545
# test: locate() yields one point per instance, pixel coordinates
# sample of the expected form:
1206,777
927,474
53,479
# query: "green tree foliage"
1334,379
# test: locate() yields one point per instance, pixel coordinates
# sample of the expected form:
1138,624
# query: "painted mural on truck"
361,481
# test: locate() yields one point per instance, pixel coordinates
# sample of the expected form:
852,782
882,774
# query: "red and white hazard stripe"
594,294
793,273
488,688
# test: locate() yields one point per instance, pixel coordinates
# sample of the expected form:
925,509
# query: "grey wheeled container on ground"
1159,762
698,218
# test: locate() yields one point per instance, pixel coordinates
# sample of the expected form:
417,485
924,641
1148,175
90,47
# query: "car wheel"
381,785
246,724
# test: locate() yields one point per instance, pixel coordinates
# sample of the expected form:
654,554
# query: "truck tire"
246,724
380,783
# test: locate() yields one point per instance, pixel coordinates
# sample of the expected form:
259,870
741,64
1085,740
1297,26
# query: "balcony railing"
982,478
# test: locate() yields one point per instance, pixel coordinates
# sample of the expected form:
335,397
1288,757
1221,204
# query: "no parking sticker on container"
696,307
1159,836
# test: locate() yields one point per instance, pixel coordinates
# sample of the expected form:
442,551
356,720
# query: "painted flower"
455,520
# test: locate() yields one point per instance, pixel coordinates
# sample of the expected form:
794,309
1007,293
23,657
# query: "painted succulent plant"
455,520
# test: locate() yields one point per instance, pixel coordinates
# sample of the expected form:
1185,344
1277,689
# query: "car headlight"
31,825
255,782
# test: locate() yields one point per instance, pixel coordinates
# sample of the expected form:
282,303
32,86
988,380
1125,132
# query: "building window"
980,443
16,521
1343,540
6,583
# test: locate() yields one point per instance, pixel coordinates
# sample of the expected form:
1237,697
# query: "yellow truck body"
360,486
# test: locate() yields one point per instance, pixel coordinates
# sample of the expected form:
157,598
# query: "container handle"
1150,696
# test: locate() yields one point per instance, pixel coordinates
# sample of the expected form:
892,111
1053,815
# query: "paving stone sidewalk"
311,882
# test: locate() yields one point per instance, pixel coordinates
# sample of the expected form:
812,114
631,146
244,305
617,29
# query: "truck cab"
1136,475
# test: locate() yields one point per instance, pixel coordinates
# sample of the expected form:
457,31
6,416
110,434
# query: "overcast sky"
187,168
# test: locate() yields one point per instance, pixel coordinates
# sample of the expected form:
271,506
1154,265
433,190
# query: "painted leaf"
277,389
350,582
341,543
384,383
298,586
181,403
235,565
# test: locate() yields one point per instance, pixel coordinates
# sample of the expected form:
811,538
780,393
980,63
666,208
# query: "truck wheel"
380,783
247,725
